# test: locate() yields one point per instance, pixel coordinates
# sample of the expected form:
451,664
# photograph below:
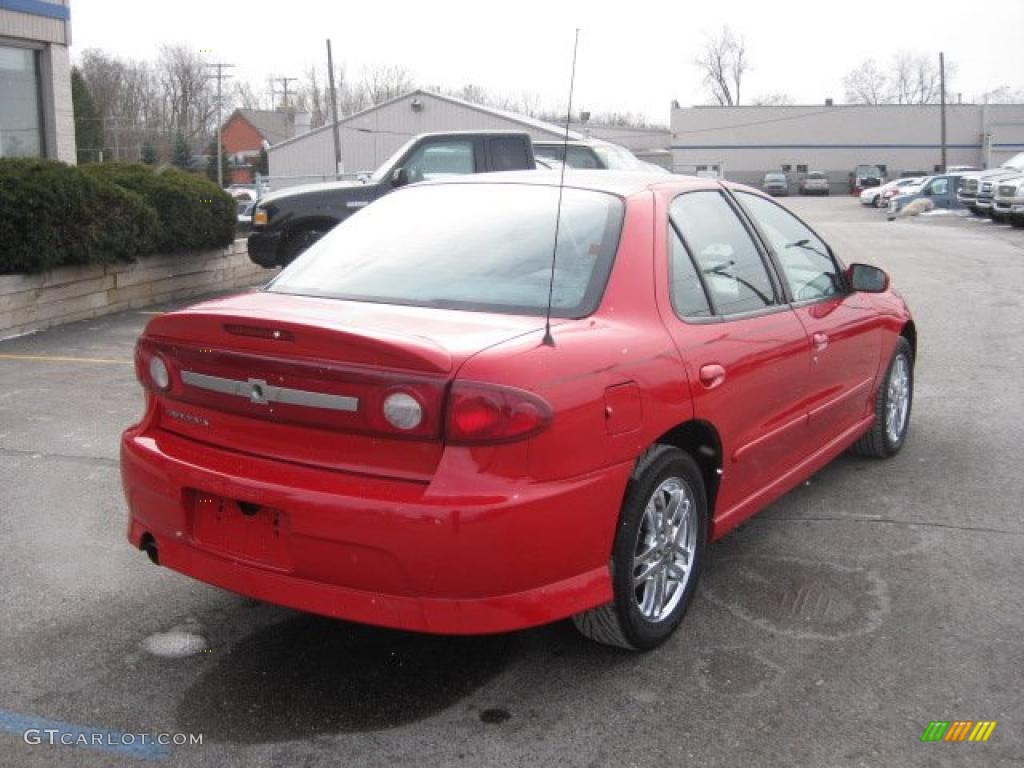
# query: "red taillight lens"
486,413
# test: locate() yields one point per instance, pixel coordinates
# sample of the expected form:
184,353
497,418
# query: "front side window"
807,266
939,187
438,159
474,246
724,252
21,125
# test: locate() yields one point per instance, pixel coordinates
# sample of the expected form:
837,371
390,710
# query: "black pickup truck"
286,223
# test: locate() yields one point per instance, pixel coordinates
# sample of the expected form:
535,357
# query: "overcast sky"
634,56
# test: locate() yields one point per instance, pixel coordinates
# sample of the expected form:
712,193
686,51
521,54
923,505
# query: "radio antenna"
549,340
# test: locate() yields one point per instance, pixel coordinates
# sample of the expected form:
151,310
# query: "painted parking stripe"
59,359
29,727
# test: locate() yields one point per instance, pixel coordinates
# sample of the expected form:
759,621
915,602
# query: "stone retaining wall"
68,294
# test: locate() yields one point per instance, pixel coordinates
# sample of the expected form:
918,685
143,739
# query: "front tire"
893,402
657,556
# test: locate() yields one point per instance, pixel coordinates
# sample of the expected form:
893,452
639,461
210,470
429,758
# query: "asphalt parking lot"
828,631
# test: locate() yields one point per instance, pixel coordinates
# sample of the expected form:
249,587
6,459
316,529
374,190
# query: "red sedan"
386,434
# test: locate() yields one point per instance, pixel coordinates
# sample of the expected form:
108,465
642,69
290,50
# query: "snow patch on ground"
174,644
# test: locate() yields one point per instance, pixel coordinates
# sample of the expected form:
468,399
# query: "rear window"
475,247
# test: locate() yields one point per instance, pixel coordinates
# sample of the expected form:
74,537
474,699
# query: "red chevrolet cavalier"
385,434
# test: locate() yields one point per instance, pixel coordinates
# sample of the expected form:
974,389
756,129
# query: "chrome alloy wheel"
898,399
665,546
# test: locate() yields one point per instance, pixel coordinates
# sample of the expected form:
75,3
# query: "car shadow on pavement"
310,675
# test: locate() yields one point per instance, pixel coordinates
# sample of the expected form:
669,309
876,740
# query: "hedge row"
52,214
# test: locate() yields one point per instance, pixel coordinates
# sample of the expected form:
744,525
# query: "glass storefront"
21,123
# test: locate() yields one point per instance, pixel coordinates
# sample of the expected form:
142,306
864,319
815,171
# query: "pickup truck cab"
1008,202
287,222
592,154
941,190
978,189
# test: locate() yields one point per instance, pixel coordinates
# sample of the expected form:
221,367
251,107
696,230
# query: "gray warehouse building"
36,116
369,137
743,143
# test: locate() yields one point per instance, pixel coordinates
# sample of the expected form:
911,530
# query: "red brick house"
244,135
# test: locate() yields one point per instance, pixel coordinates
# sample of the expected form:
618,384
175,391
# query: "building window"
801,169
21,121
787,168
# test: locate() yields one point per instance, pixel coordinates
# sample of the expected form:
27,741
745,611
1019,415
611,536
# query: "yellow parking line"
55,359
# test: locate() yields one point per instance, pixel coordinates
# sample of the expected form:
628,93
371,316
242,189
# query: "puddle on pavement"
800,598
310,675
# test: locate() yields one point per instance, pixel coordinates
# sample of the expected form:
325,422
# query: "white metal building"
745,142
36,114
369,137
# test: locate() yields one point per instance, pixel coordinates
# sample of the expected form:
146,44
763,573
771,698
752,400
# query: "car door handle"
712,375
820,341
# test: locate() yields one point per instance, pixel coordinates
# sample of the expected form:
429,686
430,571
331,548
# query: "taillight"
487,413
151,367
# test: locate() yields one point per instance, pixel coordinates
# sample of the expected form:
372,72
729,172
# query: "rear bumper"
495,555
263,248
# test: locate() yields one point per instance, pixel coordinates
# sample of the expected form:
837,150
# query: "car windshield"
815,175
774,177
476,247
577,157
1016,162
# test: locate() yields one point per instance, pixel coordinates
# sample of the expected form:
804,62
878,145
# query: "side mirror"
400,177
867,279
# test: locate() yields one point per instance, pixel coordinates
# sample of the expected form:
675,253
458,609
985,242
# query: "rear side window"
729,262
688,297
508,154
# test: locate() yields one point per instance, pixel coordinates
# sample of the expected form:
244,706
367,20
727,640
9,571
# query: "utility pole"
284,88
220,67
942,88
334,111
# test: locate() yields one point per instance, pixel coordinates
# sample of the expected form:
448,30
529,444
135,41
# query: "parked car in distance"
775,184
941,190
245,209
287,222
592,153
879,196
431,421
864,176
1008,201
976,191
814,183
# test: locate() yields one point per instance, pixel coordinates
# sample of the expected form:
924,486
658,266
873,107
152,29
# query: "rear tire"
657,556
893,404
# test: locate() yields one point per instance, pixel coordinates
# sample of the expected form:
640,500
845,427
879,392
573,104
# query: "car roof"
621,183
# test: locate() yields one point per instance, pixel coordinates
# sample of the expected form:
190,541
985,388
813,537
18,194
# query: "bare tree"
867,84
1004,94
777,99
246,96
188,97
915,79
383,82
723,63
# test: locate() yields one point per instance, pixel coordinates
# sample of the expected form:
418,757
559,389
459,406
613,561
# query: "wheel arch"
700,440
909,332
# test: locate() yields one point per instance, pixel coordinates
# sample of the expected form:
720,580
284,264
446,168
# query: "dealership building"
743,143
36,115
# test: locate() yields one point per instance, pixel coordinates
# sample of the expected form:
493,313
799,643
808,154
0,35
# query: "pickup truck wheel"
298,241
657,556
892,407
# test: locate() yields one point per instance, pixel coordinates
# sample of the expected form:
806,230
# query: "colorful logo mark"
958,730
